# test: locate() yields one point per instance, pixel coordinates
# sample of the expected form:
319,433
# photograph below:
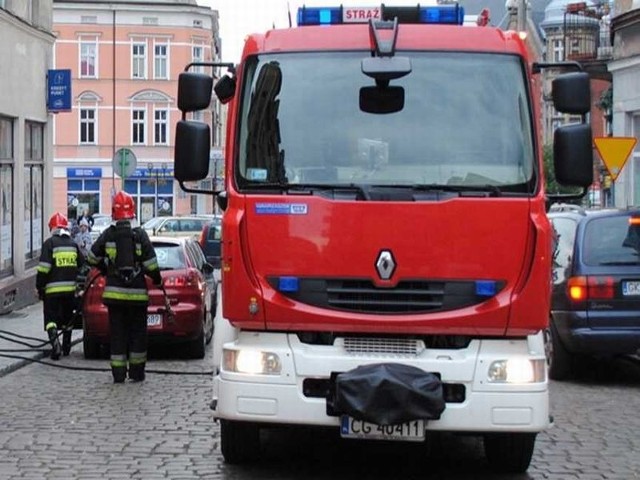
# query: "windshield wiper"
463,190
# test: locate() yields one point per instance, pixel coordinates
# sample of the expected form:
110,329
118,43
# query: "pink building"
125,58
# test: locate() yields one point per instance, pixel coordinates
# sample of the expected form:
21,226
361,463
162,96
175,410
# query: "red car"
191,288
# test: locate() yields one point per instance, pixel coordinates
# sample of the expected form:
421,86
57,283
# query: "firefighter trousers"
128,325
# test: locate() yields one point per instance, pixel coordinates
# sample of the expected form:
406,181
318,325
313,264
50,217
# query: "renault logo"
385,264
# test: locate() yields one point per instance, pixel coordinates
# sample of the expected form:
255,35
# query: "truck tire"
91,348
559,359
239,442
509,452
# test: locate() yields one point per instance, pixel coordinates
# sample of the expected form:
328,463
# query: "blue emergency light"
486,288
441,14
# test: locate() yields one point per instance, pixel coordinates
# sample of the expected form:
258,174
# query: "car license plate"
412,431
631,288
154,319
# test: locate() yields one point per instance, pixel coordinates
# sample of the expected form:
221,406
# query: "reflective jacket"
104,254
60,261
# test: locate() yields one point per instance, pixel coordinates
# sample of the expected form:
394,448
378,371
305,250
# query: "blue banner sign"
84,172
59,90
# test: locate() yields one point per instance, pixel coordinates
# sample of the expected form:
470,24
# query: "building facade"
26,49
625,70
125,58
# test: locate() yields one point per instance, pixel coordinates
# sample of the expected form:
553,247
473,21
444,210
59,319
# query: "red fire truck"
386,251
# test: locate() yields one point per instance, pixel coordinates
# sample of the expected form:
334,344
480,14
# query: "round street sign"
124,162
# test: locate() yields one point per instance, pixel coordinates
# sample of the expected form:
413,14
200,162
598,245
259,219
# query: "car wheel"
559,360
197,347
509,452
91,348
209,325
240,442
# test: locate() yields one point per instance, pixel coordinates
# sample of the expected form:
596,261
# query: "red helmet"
124,208
58,220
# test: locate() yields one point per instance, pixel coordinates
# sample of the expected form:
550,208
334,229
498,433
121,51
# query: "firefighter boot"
119,374
55,343
136,372
66,342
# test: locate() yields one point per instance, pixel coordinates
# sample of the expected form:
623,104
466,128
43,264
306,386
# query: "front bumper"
285,398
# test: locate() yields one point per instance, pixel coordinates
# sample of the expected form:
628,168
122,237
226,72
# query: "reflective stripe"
151,264
118,363
64,248
44,267
51,325
48,290
110,250
129,294
136,358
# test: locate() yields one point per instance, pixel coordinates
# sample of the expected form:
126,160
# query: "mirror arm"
196,190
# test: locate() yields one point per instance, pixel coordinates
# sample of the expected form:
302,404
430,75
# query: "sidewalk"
28,323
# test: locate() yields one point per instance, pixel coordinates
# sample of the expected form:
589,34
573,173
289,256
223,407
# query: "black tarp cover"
388,394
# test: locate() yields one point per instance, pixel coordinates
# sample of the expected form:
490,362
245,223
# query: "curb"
34,358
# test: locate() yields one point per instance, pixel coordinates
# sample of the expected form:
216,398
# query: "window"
558,50
197,55
160,127
6,196
138,137
88,58
88,126
139,57
33,190
160,61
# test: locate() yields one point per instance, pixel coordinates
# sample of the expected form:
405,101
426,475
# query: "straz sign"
361,14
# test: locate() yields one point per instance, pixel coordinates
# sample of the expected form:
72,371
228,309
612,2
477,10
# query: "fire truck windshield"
466,121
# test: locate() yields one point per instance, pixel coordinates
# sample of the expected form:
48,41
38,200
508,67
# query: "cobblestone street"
65,424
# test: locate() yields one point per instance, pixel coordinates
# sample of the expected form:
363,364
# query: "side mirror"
573,155
191,153
225,88
194,91
207,268
571,93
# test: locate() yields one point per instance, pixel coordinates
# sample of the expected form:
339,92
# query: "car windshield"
611,240
301,124
101,221
152,223
170,256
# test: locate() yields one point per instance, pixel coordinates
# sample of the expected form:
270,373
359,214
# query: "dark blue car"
210,238
595,303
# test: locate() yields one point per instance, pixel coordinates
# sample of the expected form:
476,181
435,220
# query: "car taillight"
591,288
179,281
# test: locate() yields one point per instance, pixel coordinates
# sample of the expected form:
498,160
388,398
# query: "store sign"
84,172
59,90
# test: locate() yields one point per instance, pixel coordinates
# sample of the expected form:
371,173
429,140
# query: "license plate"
412,431
631,288
154,319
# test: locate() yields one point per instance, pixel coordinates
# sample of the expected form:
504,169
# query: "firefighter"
125,255
60,262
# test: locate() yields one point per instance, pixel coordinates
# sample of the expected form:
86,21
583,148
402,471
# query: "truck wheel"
91,348
509,452
240,442
559,359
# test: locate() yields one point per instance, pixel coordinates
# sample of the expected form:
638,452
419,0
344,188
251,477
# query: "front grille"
383,346
408,296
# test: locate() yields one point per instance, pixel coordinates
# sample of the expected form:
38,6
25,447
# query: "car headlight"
517,370
254,362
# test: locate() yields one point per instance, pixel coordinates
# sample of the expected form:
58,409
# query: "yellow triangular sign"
614,152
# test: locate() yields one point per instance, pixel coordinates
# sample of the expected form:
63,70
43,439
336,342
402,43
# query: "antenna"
289,14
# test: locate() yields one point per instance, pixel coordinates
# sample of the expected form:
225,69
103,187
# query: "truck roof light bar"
452,14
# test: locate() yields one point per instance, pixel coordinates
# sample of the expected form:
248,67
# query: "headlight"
251,361
517,370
